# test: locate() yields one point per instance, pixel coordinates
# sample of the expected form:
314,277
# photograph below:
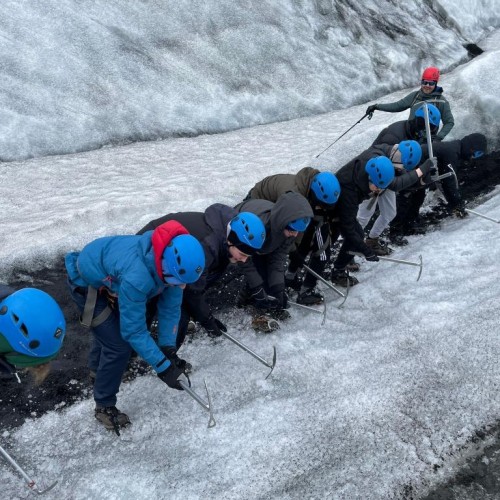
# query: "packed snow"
382,399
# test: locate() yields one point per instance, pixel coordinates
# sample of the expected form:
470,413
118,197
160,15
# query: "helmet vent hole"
3,310
23,329
34,344
15,317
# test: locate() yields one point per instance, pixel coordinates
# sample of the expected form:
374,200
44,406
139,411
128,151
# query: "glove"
171,354
427,166
372,257
262,300
371,109
279,293
437,139
170,376
214,327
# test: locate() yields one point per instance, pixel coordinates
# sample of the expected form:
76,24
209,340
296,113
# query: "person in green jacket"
32,329
429,92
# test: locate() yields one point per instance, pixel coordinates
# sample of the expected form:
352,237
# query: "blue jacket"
125,265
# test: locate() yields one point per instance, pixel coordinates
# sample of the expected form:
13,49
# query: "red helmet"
431,74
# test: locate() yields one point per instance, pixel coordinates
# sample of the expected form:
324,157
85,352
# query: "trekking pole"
329,285
199,400
397,261
256,356
496,221
31,483
348,130
309,308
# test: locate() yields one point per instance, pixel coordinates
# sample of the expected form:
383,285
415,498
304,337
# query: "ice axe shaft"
338,138
496,221
28,480
329,285
206,406
252,353
397,261
312,309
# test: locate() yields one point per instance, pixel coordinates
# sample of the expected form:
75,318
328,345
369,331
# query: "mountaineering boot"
310,296
111,418
353,266
264,323
292,281
341,277
378,247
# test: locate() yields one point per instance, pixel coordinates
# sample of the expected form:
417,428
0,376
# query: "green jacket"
418,96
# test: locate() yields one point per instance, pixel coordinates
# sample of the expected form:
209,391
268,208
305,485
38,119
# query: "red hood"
160,239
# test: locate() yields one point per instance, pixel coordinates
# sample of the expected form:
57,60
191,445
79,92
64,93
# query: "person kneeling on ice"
227,237
369,174
265,273
32,329
111,281
322,190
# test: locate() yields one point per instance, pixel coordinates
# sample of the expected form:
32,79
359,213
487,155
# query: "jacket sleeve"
276,264
133,329
197,305
447,119
404,181
401,105
169,312
251,274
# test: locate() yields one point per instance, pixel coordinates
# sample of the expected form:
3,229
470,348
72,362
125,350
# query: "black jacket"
210,229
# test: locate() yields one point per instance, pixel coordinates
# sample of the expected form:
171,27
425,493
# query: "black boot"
341,277
112,418
310,296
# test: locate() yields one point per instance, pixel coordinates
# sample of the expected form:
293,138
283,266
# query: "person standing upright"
429,92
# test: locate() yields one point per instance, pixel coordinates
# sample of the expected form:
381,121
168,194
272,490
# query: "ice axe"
329,285
252,353
31,482
348,130
397,261
312,309
496,221
207,406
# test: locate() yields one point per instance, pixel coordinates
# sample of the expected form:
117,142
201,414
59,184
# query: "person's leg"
366,211
320,256
387,209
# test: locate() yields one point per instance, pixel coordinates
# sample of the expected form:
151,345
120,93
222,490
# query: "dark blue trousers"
109,354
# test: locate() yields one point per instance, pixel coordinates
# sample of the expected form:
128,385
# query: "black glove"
371,109
170,376
214,327
427,166
262,300
171,354
372,257
279,293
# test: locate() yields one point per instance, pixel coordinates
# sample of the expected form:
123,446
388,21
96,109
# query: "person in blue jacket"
111,281
32,329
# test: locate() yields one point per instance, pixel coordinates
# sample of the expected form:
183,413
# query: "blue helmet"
183,260
380,170
434,115
246,232
411,154
299,224
326,188
32,323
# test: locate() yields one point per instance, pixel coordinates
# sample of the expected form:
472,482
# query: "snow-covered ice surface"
77,74
385,396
